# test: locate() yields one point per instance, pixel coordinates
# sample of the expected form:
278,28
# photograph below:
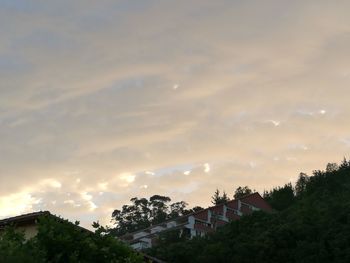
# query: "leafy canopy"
59,241
143,212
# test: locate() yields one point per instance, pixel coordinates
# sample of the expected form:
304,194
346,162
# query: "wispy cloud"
100,102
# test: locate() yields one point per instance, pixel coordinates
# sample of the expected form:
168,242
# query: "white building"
199,223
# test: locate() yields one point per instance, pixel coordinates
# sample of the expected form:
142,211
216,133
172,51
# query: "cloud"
11,205
104,101
206,168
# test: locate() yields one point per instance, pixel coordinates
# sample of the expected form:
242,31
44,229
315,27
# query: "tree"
215,199
345,164
159,210
314,228
59,241
63,241
242,191
224,198
218,199
13,248
177,209
332,167
280,198
142,213
300,186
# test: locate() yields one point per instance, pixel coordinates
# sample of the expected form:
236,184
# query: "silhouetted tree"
300,186
332,167
177,209
242,191
159,208
280,197
143,212
217,199
344,164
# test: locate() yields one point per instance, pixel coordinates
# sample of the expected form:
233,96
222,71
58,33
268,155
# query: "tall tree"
300,186
280,198
345,164
177,209
242,191
332,167
159,208
217,199
143,212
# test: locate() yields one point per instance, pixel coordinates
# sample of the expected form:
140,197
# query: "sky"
102,101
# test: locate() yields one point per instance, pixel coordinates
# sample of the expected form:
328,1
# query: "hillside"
313,225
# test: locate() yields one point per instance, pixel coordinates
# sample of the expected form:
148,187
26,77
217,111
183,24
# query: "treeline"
143,212
311,224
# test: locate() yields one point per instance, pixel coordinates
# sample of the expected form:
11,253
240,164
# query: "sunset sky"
101,101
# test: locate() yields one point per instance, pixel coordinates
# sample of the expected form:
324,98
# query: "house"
199,223
26,223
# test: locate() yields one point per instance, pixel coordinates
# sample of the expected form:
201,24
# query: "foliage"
142,213
300,186
13,248
59,241
217,199
242,191
313,226
280,198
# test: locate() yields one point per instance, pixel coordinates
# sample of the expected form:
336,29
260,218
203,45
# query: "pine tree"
215,199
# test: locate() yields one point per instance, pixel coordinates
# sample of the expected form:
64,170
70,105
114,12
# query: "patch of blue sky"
99,17
12,64
125,6
104,95
42,38
20,5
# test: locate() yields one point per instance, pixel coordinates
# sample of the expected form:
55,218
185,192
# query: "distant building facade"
199,223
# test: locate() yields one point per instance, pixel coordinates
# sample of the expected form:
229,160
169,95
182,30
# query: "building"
199,223
26,223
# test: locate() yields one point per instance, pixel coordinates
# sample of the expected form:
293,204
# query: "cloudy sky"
101,101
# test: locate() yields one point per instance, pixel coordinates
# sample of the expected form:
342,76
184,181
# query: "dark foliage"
242,191
142,213
280,198
217,199
312,226
59,241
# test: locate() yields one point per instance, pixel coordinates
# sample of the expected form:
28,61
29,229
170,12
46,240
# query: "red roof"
256,200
